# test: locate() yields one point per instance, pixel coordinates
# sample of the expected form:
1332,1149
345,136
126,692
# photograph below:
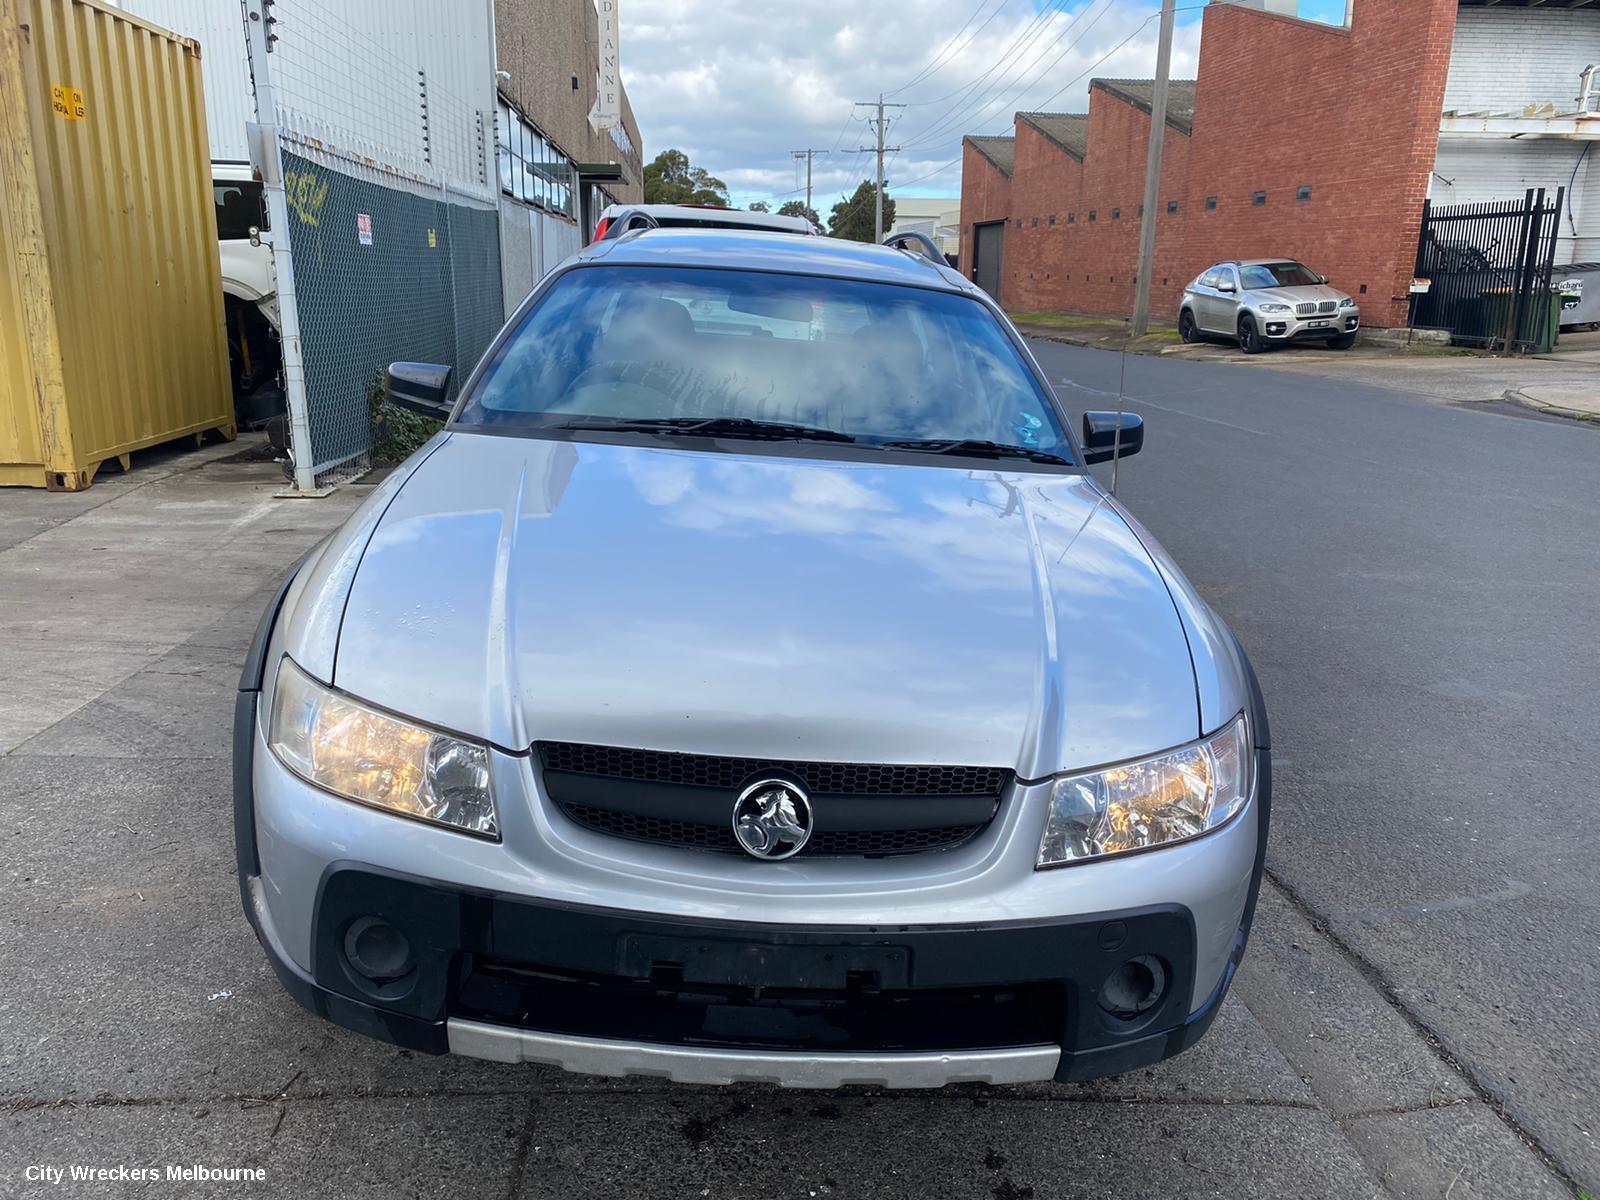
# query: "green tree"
852,218
797,208
670,179
760,206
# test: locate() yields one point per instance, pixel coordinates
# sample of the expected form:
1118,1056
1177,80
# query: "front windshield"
826,359
1278,274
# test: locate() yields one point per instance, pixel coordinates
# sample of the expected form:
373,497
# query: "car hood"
521,589
1296,295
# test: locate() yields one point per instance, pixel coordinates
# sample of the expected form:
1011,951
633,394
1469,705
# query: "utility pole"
880,150
807,155
1152,174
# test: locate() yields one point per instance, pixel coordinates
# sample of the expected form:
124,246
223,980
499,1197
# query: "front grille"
1328,306
864,843
1307,309
707,770
860,809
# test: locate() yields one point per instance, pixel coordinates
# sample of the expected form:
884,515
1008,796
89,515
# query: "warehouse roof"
1139,92
1070,131
1001,151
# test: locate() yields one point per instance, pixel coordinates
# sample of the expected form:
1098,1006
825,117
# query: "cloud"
738,86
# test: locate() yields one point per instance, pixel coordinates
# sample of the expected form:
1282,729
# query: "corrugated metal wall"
110,242
217,26
1470,170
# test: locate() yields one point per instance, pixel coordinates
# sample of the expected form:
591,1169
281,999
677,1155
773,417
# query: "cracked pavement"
141,1025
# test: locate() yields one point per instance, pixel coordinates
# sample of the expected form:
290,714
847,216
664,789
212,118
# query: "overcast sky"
737,86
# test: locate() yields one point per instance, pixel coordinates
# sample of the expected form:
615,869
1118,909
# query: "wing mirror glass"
419,388
1100,436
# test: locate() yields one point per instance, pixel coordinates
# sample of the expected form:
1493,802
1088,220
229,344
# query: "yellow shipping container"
111,334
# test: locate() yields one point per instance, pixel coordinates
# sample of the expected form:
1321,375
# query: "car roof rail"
914,242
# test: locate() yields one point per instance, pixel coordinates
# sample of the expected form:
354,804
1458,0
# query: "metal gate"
989,241
1488,271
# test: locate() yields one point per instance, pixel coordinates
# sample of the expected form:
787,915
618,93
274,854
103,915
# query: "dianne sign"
607,110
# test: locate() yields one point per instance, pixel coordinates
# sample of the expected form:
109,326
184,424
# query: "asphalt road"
1415,582
1418,584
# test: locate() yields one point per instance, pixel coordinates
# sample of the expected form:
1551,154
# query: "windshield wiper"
976,448
739,427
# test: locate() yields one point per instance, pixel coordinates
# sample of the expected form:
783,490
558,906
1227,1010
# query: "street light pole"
1152,174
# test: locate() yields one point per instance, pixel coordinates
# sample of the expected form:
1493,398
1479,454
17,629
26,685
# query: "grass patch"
1062,320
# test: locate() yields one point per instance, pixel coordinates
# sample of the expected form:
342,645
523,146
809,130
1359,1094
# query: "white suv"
618,219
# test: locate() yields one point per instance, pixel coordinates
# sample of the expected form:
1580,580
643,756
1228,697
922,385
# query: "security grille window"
1093,215
1072,218
531,168
1052,218
1172,206
1211,204
1036,223
1116,214
1258,199
1303,192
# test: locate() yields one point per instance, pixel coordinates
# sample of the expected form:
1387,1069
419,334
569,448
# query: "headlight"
1166,798
1348,302
1276,308
344,747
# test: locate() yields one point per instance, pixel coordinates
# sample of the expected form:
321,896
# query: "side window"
238,207
1209,279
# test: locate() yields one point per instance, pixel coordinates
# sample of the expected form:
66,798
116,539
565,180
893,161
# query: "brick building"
1052,212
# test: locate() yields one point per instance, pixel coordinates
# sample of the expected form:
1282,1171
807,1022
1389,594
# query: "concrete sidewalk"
142,1024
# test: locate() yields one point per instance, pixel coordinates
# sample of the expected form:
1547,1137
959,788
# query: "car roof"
758,250
730,216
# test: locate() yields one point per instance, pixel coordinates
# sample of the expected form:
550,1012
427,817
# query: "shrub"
396,433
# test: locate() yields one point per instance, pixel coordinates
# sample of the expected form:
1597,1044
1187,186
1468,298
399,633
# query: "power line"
974,113
951,48
1038,21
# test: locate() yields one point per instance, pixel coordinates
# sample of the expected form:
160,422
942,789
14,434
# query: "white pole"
269,161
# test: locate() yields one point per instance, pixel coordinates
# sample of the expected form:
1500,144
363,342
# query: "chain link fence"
384,272
392,214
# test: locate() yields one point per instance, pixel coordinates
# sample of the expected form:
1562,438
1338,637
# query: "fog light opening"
377,951
1134,988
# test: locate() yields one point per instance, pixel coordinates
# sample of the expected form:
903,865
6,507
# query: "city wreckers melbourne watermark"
122,1173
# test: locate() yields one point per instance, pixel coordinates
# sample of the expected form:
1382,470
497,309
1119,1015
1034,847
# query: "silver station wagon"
749,682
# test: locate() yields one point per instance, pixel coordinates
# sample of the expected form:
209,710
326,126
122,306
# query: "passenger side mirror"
1226,286
419,388
1100,436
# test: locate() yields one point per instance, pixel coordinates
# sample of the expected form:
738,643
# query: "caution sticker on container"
67,102
433,239
364,228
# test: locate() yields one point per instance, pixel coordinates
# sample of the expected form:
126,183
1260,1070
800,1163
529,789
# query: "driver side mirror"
419,388
1100,436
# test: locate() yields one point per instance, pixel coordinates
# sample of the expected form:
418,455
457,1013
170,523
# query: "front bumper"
511,962
1287,327
616,993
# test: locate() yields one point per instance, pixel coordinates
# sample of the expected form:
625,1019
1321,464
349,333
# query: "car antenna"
1116,445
